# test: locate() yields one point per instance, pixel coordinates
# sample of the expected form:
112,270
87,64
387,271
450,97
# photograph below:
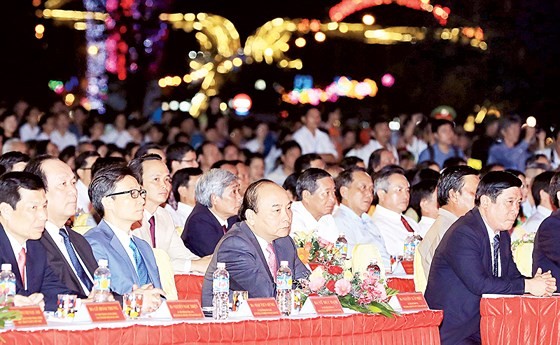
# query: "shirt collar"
385,212
220,220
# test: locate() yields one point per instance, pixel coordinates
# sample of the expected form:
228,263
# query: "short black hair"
307,181
554,188
303,162
541,182
181,178
143,150
12,182
176,151
34,166
250,199
9,159
104,183
81,160
350,162
290,184
421,191
452,178
136,167
345,179
103,162
494,183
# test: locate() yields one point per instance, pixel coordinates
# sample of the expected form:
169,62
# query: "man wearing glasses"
119,199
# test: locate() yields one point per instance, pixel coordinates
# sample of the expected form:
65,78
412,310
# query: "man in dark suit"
546,254
253,248
217,202
68,253
474,258
118,198
23,212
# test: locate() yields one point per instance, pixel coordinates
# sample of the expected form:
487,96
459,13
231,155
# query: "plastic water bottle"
102,282
410,244
220,289
374,269
7,286
284,288
342,245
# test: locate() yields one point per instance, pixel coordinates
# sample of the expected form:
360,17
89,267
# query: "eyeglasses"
134,193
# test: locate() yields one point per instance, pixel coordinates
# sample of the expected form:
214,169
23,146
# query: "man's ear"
182,190
343,192
5,210
250,216
484,201
380,194
305,194
107,203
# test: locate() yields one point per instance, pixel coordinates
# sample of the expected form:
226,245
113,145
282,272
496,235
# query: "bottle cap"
103,263
284,263
6,267
340,234
221,265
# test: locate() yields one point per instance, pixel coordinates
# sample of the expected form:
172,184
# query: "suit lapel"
8,254
245,228
117,245
58,258
483,233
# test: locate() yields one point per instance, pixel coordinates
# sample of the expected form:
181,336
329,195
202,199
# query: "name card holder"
263,307
30,316
100,312
184,309
322,305
409,302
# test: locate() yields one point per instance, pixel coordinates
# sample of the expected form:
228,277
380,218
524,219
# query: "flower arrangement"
526,237
8,315
363,292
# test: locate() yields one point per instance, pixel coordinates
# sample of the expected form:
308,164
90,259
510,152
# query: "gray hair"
214,181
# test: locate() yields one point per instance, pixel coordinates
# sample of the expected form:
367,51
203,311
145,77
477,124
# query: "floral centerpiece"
8,315
522,250
364,292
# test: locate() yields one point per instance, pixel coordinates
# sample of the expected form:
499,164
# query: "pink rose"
342,287
316,283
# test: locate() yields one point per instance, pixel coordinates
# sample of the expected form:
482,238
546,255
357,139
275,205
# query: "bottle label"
342,248
102,283
7,288
284,282
220,284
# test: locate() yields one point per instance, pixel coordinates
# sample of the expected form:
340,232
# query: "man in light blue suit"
118,198
253,248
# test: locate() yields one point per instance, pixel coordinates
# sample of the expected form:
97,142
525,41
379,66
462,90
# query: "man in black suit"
23,212
218,200
68,253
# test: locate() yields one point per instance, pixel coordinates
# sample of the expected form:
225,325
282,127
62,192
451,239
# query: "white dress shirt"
427,247
83,201
424,225
167,239
303,221
64,140
54,231
26,132
365,151
532,224
360,230
277,175
179,215
319,143
491,235
16,247
392,229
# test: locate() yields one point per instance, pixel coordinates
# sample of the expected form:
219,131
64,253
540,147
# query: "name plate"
185,309
322,305
263,307
105,312
30,316
409,301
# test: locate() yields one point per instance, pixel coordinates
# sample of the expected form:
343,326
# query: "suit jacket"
106,245
203,231
546,253
461,272
40,276
59,264
246,263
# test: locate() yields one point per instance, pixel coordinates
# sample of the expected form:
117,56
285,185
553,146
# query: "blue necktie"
496,254
82,275
140,266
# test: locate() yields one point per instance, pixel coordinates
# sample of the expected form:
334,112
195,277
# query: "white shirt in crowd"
319,143
303,221
392,229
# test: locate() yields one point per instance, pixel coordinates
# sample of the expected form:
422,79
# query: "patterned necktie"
21,260
496,255
82,275
271,260
406,225
152,222
140,266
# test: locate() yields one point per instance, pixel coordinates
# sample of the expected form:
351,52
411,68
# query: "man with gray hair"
217,202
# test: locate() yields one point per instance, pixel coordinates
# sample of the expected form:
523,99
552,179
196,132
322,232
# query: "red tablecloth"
520,320
190,286
409,329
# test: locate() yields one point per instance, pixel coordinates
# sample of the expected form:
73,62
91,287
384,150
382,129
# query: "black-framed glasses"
134,193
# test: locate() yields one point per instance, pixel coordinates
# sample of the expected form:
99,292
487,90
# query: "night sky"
518,73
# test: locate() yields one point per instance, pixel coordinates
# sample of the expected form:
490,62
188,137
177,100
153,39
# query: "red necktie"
152,222
21,265
271,260
224,228
406,225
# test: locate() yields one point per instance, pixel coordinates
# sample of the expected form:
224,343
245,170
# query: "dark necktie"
496,255
406,225
80,272
152,222
224,228
140,266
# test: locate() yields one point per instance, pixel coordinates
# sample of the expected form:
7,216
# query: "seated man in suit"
546,252
253,248
474,258
119,199
217,201
69,254
23,212
156,227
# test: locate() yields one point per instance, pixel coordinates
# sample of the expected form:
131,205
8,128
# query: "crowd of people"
76,188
